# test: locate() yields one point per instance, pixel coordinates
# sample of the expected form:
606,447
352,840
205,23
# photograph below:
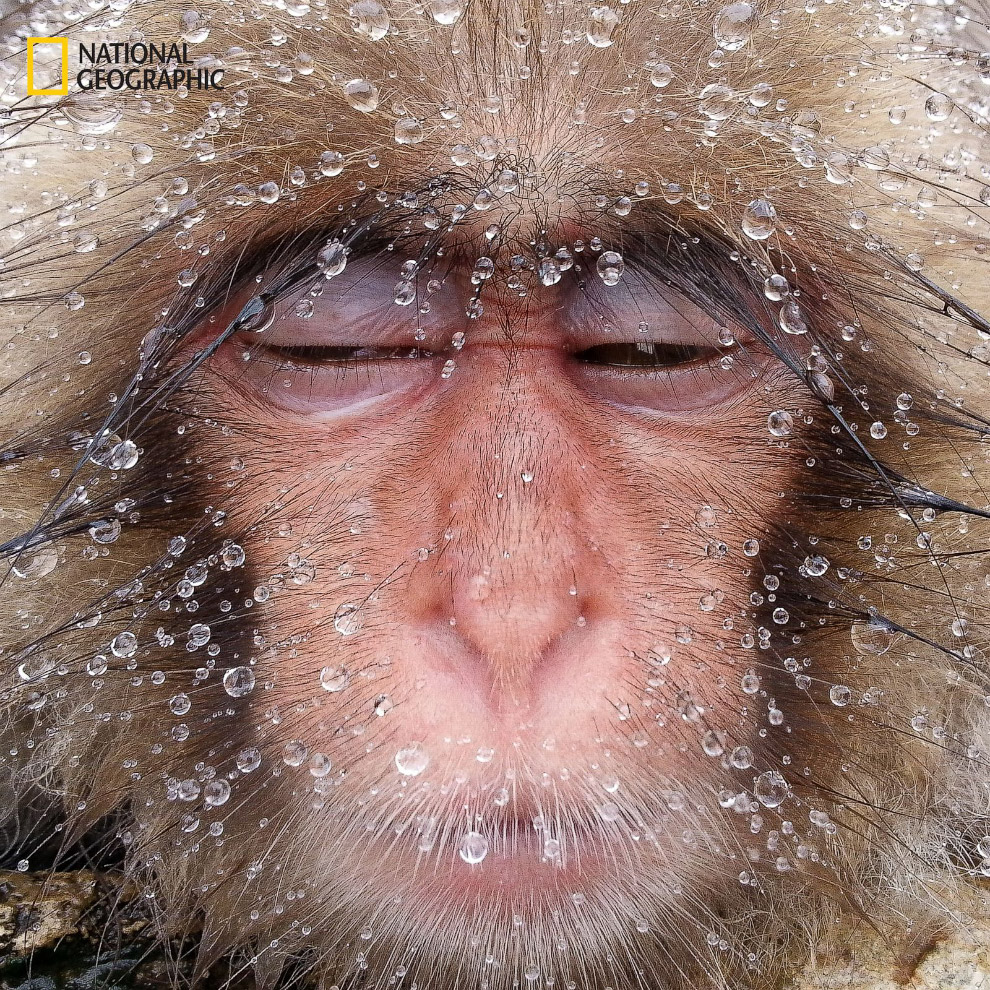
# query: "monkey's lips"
523,873
516,862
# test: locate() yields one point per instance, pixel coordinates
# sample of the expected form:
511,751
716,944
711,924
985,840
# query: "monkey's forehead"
561,122
709,99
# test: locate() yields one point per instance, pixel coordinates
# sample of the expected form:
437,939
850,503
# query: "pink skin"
530,529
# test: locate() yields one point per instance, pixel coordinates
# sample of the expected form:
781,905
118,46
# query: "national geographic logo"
35,85
119,65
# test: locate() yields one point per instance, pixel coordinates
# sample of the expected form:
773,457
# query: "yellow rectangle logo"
61,90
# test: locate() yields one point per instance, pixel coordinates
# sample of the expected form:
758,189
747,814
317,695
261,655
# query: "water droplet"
269,192
124,644
239,681
771,789
334,679
294,752
85,241
370,19
661,75
792,318
331,259
320,765
712,744
759,219
446,11
873,637
716,101
734,25
179,704
473,847
938,107
193,27
216,792
610,266
780,423
408,130
839,695
331,163
548,271
248,759
347,619
362,95
602,22
412,760
91,113
405,293
741,757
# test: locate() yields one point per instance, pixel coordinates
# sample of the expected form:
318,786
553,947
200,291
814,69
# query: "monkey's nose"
512,633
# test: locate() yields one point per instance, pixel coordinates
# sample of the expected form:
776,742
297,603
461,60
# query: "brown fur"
836,73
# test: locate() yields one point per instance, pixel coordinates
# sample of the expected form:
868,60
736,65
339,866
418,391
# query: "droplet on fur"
780,423
239,681
408,130
412,760
473,847
610,266
759,220
446,11
362,95
771,789
370,19
602,22
334,678
734,25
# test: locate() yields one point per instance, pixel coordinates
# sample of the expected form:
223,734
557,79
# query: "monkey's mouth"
531,868
528,857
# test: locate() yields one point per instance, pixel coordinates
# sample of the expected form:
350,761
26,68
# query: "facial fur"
495,495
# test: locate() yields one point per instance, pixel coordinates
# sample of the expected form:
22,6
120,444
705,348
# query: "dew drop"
473,847
408,130
938,107
734,25
446,11
610,266
334,679
759,219
412,760
362,95
347,619
602,22
238,681
771,789
370,19
780,423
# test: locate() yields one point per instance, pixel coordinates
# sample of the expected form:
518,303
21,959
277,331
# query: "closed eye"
646,354
317,354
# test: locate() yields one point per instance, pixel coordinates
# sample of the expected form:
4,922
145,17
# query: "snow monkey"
494,495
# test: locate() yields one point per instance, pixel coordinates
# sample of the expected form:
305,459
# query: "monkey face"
487,539
407,598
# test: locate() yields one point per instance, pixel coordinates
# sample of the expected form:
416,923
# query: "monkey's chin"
516,912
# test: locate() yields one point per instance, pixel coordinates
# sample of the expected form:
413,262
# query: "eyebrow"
683,253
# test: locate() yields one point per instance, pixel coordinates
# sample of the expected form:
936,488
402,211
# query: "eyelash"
644,356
